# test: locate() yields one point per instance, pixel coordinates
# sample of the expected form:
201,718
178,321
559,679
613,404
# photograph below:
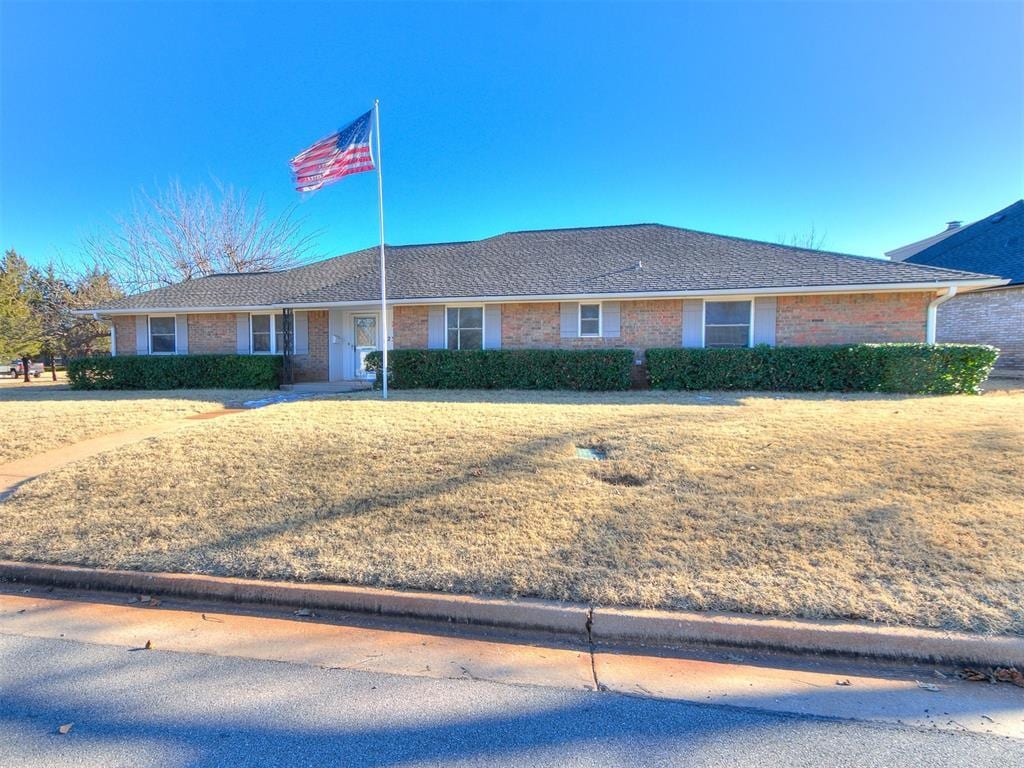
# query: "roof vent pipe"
953,225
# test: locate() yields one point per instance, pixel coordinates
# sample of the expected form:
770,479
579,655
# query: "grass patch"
35,419
889,508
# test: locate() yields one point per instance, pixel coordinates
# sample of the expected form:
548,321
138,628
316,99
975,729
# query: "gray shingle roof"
638,258
994,245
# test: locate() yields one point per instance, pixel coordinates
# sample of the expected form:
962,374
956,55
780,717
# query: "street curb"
614,625
597,625
543,615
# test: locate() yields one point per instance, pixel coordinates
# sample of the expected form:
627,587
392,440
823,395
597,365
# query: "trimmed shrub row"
591,370
913,368
176,372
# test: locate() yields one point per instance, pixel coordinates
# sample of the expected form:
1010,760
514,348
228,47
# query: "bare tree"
179,234
60,289
810,240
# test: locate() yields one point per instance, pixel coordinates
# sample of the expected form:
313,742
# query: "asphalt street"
135,707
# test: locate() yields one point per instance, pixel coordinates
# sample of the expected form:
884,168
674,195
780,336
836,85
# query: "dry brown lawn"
895,509
40,416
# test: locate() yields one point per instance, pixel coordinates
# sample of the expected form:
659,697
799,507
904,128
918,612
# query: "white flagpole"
383,283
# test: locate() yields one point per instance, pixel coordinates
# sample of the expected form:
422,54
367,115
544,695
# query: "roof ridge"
574,229
431,245
247,274
650,224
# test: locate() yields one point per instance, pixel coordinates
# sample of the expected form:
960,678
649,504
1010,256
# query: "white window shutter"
141,335
764,320
693,323
492,326
436,330
570,319
181,334
611,325
301,332
242,340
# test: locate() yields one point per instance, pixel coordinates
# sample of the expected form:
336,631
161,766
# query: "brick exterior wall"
124,332
993,317
851,318
212,334
800,320
532,326
648,324
643,324
410,327
217,334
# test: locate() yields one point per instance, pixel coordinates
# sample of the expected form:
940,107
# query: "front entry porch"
329,387
353,332
331,345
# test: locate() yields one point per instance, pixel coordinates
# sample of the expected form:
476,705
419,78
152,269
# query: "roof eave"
969,284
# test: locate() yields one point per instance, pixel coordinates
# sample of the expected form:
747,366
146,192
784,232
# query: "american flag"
339,155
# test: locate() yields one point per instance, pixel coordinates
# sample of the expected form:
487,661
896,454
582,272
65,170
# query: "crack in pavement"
598,685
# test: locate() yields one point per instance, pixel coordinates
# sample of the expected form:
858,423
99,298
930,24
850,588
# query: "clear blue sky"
874,123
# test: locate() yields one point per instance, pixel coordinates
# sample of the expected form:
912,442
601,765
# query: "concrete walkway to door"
15,473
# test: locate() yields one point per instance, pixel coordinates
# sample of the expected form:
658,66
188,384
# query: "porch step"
329,387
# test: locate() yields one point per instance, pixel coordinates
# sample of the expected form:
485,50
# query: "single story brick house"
635,286
994,245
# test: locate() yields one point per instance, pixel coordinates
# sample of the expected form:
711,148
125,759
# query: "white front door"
365,339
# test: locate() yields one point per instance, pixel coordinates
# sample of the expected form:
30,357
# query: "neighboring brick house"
634,287
993,245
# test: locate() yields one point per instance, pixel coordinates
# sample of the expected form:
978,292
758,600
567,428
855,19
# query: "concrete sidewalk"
15,473
925,696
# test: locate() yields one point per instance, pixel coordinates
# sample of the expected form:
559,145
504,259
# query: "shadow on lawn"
521,461
547,397
631,397
62,394
206,558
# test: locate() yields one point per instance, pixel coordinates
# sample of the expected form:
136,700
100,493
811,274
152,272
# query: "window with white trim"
465,327
590,320
727,324
162,335
267,334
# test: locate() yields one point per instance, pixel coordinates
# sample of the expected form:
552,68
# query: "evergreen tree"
21,330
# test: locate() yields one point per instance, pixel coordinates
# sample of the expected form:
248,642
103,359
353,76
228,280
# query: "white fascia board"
810,290
802,290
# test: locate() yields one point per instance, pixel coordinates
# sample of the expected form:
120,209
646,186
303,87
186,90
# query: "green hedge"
606,369
176,372
916,368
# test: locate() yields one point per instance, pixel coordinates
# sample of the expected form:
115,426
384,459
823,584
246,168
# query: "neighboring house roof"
994,245
904,252
601,261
